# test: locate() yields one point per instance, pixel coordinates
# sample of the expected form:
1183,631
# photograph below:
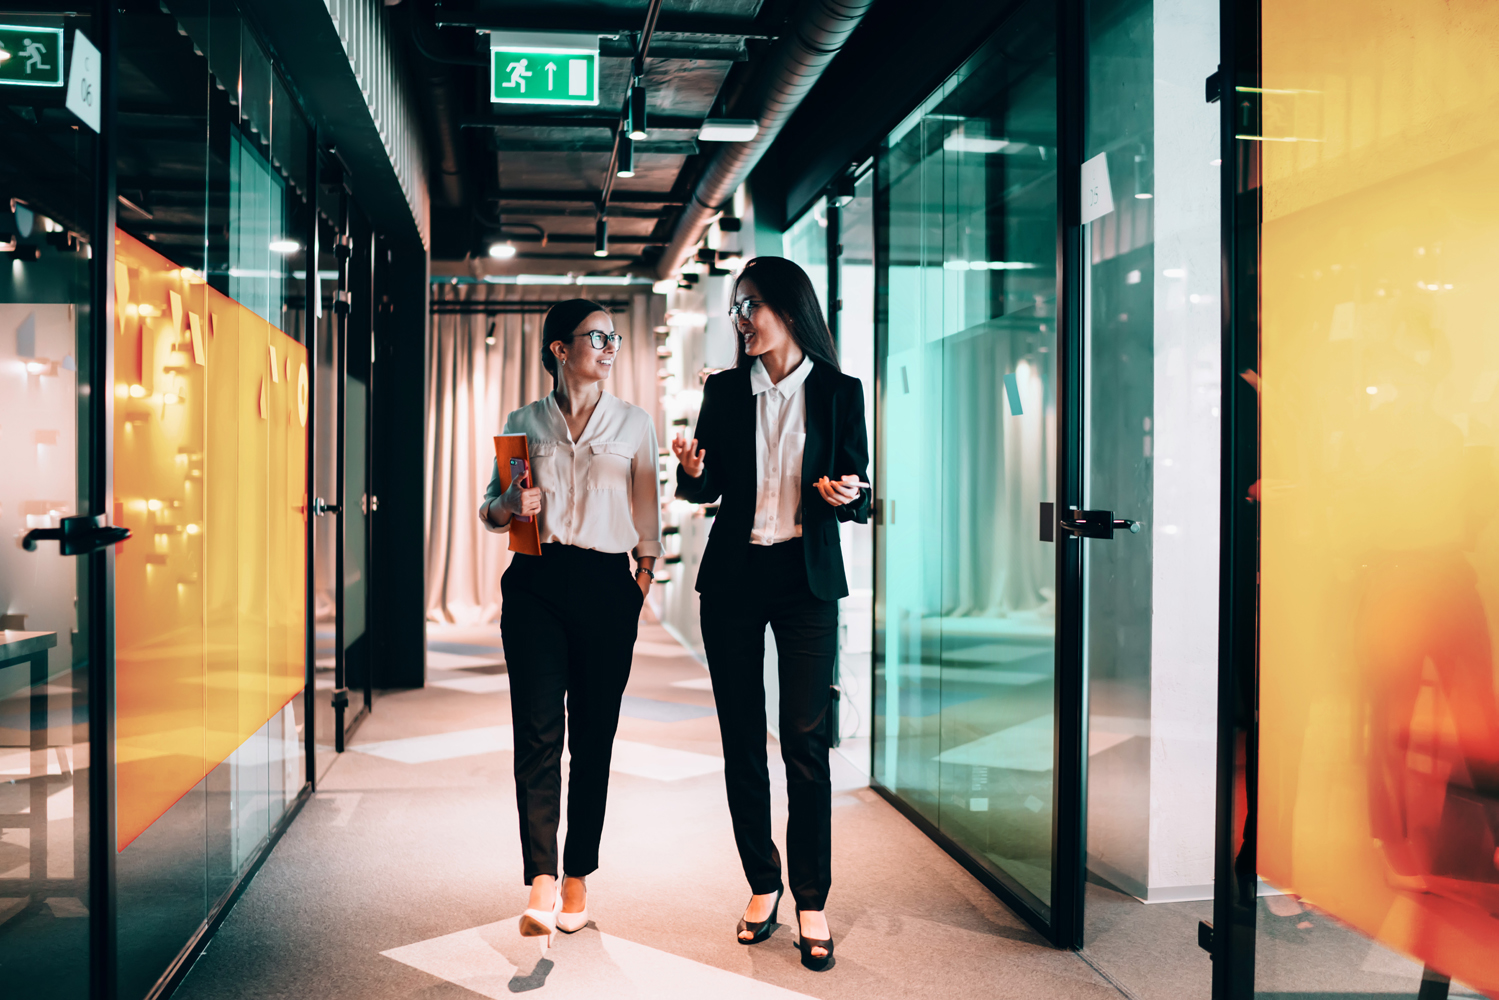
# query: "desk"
18,649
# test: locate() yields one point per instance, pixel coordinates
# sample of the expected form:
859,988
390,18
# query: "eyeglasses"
744,309
598,339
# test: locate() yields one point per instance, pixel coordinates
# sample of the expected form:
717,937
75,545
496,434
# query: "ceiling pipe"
793,68
441,99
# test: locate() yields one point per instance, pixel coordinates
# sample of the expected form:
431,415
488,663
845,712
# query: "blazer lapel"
814,450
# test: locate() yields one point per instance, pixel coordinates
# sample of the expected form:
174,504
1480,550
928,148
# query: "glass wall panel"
1378,811
1151,440
47,204
210,439
965,596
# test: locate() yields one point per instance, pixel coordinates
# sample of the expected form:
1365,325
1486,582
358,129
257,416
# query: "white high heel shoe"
571,923
542,923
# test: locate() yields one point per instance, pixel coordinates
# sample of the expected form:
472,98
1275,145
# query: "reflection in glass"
209,439
1379,721
965,593
1151,440
45,624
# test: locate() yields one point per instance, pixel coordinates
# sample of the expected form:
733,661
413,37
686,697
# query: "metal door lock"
321,507
77,536
1096,523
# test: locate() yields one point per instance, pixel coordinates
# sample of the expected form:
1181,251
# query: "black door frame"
1232,932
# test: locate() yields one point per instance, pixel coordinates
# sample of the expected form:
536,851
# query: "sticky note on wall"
197,331
275,371
1012,390
176,311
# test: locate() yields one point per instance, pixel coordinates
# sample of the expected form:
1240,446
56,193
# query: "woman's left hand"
644,583
840,493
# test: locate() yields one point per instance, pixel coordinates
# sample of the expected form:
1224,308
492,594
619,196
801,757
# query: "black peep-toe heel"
760,929
806,944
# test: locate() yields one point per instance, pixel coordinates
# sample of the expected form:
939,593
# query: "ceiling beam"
580,238
489,15
666,147
590,197
608,122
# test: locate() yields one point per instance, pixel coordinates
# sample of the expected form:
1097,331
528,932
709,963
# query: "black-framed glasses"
598,339
744,309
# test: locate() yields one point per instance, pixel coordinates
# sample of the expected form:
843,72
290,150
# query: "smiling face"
764,330
582,360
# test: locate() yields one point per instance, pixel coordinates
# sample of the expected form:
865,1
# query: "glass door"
1150,439
965,608
52,564
343,692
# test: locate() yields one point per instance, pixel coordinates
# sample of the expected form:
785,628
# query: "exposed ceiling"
536,176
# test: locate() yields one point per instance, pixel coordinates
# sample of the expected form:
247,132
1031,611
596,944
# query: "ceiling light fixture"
637,113
285,246
728,130
626,165
502,251
601,238
843,191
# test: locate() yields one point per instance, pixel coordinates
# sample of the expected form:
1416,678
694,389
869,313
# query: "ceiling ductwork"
792,70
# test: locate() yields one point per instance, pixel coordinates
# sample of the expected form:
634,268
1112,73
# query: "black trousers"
568,622
775,592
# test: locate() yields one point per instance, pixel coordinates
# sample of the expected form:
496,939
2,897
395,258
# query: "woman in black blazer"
783,418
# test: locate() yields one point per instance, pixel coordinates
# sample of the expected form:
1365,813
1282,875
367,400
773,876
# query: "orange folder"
524,536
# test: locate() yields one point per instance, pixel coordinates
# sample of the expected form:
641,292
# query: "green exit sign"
543,76
30,57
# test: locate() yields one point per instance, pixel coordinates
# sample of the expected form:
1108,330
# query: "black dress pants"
568,622
775,592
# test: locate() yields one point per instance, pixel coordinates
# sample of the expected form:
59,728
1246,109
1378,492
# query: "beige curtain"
472,386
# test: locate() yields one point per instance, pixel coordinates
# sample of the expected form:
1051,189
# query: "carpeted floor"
401,879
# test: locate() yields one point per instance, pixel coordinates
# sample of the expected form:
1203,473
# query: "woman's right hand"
689,455
520,502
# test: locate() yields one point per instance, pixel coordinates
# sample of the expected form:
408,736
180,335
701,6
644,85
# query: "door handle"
1096,524
321,507
77,536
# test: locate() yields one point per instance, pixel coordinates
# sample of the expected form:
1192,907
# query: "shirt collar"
760,379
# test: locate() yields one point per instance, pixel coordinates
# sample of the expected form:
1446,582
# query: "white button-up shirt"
599,492
780,439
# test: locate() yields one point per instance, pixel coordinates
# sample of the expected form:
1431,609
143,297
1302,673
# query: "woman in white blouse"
569,616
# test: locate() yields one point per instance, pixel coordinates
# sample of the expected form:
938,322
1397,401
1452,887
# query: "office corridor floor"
402,878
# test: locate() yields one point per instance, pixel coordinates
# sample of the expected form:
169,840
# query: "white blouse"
780,439
600,492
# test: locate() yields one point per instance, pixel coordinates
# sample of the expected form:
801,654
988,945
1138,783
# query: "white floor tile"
495,961
438,660
660,763
472,683
442,746
647,648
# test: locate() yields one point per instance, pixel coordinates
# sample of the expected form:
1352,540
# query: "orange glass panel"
210,476
1379,721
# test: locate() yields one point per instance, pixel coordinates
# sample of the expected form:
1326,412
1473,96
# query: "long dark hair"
562,319
785,288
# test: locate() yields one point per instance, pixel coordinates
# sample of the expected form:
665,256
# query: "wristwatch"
646,570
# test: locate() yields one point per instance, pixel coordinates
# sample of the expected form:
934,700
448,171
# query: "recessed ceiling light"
728,130
502,251
285,246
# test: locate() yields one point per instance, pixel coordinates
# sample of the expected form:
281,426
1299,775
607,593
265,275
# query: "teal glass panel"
257,199
965,589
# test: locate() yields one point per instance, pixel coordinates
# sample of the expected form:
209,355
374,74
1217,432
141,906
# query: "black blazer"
836,446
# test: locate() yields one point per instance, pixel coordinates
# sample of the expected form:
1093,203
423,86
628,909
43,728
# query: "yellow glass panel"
210,476
1379,722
